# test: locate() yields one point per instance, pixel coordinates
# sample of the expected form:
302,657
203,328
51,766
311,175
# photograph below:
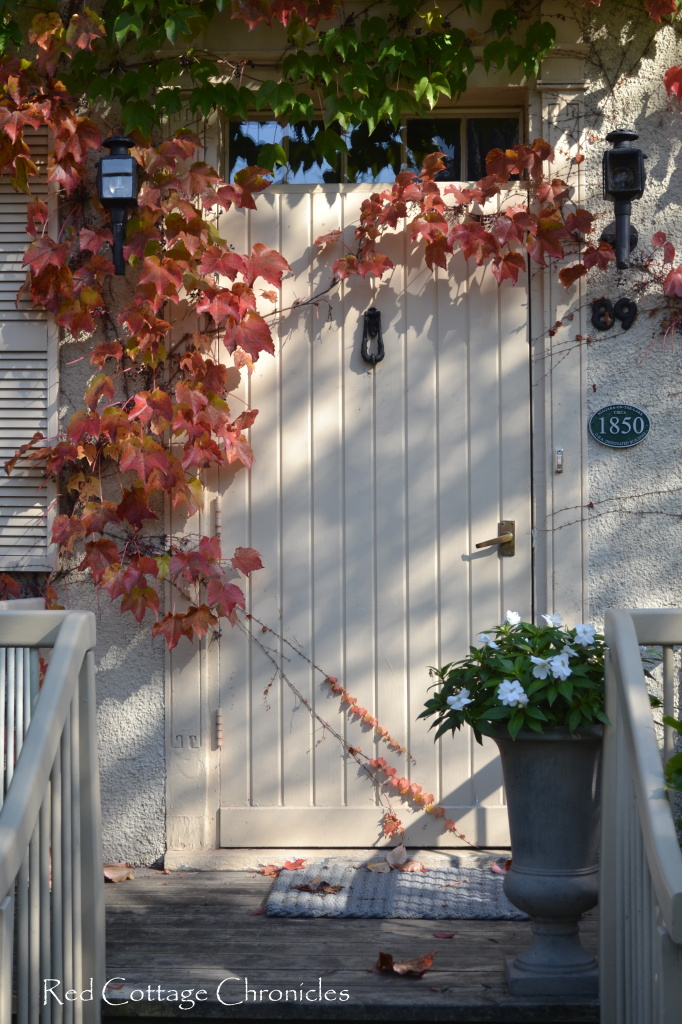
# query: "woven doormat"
463,893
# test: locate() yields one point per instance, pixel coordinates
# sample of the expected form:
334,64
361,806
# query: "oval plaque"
619,426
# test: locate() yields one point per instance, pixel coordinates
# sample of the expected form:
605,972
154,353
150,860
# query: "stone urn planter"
538,692
552,782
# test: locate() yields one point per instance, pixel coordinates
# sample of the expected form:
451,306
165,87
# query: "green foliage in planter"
534,677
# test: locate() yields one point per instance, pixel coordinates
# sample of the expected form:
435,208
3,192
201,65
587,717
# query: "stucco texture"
129,667
635,494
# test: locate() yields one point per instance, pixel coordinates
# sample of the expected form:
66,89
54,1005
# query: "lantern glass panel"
622,177
118,178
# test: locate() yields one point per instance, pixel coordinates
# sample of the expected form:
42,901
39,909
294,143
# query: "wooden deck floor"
192,930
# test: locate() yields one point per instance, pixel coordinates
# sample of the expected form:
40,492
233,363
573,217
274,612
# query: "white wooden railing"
51,892
640,863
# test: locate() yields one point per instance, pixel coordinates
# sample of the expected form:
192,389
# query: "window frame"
463,114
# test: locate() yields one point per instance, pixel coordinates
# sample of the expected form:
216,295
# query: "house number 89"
604,313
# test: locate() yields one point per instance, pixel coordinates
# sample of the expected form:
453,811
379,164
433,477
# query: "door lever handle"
506,539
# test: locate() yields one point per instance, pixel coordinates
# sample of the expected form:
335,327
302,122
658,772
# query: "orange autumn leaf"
415,967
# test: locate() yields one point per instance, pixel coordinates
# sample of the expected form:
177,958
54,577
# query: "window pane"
376,157
245,141
306,165
484,134
429,135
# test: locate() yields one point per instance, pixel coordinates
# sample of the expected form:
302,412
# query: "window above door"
310,149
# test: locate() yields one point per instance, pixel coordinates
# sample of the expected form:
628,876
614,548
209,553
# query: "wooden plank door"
370,489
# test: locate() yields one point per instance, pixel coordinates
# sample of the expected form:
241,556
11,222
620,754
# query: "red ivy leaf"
218,261
66,530
171,628
673,282
139,601
99,555
251,334
42,253
246,560
199,620
225,597
266,263
133,507
600,257
508,267
672,80
101,386
83,28
9,588
656,9
580,221
569,275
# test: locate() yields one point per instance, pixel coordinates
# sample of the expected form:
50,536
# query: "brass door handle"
506,538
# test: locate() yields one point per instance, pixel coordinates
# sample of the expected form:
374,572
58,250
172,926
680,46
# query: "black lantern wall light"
117,188
624,179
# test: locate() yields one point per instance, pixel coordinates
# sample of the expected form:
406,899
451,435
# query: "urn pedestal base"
555,963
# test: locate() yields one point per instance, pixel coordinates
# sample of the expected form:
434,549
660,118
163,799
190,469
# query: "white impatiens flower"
542,667
511,693
568,652
458,700
513,618
559,666
584,635
553,620
485,638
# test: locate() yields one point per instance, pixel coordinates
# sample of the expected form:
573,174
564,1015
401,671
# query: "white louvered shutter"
28,388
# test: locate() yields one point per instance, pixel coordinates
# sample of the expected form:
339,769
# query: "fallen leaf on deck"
445,885
294,865
379,865
117,872
416,967
443,935
499,869
322,888
397,856
411,865
269,869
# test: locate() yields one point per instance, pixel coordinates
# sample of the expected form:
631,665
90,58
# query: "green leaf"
125,23
533,712
504,20
445,727
515,724
265,94
497,712
271,154
574,719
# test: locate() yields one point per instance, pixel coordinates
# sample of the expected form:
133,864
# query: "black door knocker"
372,350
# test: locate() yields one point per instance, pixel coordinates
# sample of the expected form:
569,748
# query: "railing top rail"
657,626
41,629
73,637
624,631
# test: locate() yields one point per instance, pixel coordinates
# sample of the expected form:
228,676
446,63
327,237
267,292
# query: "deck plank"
191,930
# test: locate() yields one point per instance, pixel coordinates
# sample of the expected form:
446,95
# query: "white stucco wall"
130,667
635,528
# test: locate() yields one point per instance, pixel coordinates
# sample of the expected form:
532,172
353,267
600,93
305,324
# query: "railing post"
6,958
608,852
92,877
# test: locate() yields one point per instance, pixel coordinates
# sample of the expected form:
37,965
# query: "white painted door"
369,492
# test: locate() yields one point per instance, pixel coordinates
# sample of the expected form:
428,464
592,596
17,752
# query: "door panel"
368,494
